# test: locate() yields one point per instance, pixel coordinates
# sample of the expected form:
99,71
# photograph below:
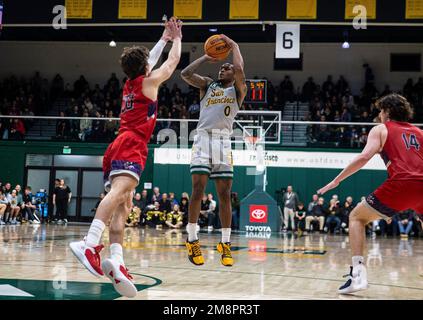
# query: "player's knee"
198,191
120,196
224,194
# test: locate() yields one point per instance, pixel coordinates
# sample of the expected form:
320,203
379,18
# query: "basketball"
216,47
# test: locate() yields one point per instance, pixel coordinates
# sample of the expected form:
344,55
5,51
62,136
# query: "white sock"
356,260
192,232
116,253
226,235
94,234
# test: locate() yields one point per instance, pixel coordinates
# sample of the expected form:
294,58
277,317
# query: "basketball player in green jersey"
211,151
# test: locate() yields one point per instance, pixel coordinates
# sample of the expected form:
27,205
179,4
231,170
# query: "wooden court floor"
36,263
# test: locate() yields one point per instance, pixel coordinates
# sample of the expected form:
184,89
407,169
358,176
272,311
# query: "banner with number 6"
287,41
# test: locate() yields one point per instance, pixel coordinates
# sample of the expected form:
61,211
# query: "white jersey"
218,108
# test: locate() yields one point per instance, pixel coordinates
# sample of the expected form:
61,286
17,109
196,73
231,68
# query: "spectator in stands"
18,189
156,195
346,115
7,189
235,203
345,214
286,90
101,197
300,215
12,198
17,130
314,201
154,217
172,199
308,89
3,206
290,200
62,196
62,127
317,214
111,127
334,215
134,217
175,218
194,110
211,213
28,208
202,220
141,201
85,127
97,128
405,222
165,204
183,207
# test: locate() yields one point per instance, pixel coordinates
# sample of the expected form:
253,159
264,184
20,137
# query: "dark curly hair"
398,108
134,61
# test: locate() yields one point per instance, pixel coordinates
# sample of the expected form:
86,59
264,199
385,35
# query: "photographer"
333,216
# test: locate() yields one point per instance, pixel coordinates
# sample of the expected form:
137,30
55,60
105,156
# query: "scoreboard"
256,91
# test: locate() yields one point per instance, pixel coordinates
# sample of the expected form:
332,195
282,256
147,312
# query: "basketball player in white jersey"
211,151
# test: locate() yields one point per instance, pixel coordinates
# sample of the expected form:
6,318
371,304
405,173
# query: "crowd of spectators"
332,216
166,210
18,206
330,101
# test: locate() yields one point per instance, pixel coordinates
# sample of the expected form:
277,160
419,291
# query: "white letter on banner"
287,41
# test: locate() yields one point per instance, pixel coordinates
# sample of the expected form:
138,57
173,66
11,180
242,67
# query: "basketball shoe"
225,250
357,280
88,256
120,277
194,252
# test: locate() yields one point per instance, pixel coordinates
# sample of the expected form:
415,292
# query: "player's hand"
331,185
210,59
175,28
228,40
166,36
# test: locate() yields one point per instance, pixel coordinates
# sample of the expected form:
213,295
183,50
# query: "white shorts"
212,155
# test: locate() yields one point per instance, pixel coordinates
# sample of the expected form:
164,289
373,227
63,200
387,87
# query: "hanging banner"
79,9
301,9
414,9
287,41
132,9
188,9
243,9
369,4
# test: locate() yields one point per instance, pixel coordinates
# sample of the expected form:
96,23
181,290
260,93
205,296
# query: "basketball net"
252,143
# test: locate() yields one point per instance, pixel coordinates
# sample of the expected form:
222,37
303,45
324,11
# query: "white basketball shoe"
120,277
357,280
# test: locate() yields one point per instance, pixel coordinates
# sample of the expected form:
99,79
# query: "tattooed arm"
238,62
194,79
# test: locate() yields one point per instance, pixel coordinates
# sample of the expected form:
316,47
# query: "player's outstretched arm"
160,75
238,63
194,79
157,50
374,145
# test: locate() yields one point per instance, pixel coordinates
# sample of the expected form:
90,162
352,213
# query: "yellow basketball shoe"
194,252
225,250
